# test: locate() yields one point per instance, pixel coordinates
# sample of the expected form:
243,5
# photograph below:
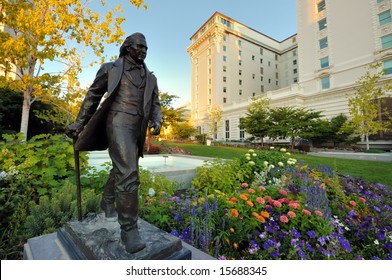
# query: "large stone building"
316,68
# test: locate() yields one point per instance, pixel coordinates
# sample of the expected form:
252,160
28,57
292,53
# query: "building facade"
316,68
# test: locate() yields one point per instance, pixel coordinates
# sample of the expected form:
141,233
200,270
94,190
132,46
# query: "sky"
169,24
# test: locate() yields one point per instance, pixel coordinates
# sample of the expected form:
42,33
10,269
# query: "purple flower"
388,245
301,254
322,240
275,254
375,258
175,233
295,233
310,248
222,258
345,244
268,244
311,234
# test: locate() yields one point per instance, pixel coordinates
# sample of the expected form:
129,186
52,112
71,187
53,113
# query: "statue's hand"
73,130
156,126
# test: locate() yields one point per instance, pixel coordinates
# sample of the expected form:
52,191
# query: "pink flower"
318,213
284,219
361,199
294,205
260,200
306,212
251,191
244,185
352,203
277,204
261,188
291,214
283,192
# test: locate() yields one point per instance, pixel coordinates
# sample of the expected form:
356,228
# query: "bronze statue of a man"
119,124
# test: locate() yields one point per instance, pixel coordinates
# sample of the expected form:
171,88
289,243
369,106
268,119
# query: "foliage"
305,213
290,122
257,122
365,104
170,115
182,130
201,138
71,28
214,116
44,160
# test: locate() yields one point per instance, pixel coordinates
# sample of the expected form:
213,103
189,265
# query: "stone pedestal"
96,238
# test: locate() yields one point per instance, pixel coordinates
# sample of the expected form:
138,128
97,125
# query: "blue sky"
168,25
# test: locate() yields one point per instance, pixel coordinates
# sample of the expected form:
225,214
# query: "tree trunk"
24,124
367,141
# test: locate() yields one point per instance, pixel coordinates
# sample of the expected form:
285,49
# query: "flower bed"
286,211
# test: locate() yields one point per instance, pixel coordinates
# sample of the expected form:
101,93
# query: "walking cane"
78,186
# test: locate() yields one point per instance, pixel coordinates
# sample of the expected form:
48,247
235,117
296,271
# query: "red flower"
352,203
306,212
318,213
361,199
284,219
291,214
283,192
277,204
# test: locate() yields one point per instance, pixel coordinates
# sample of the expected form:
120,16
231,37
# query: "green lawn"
370,171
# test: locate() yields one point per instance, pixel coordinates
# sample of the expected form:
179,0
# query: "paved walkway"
386,157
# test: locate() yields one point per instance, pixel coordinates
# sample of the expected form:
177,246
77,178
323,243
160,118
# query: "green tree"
364,105
257,122
183,130
170,114
42,31
291,122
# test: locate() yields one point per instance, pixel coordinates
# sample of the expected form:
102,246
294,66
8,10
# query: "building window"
325,83
224,89
240,72
242,130
322,24
240,62
224,99
253,57
227,129
254,94
261,60
294,53
384,17
388,67
240,92
269,63
239,52
294,62
209,61
323,43
261,70
262,88
224,48
276,75
324,62
209,101
239,42
321,6
224,38
276,57
224,58
261,50
224,68
240,82
261,78
386,41
379,1
253,76
224,79
295,80
269,81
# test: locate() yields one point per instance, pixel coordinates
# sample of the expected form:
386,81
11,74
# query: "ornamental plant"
302,213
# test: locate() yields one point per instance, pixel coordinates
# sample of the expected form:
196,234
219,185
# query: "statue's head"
135,46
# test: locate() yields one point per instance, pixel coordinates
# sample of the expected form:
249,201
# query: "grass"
370,171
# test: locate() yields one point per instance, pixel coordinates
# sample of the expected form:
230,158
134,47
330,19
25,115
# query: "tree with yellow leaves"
38,32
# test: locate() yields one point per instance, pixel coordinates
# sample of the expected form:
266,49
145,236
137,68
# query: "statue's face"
138,50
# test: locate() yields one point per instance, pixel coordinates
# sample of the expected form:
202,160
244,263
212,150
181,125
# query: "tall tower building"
232,63
316,68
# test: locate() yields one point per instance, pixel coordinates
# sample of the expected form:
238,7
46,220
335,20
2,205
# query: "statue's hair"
128,42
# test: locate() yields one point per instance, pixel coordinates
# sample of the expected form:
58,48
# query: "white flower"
251,151
280,164
283,150
248,158
151,192
247,155
288,154
3,174
271,148
254,155
251,163
376,242
266,163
